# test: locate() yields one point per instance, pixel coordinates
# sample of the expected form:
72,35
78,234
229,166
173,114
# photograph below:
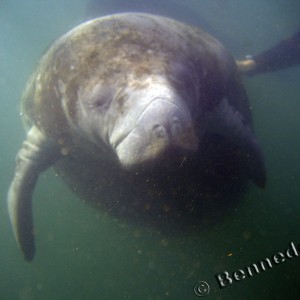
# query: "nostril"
176,126
159,131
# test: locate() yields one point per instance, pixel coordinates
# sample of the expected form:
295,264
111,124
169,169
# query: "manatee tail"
230,124
35,156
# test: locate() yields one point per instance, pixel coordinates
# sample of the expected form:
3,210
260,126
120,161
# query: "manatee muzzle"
163,127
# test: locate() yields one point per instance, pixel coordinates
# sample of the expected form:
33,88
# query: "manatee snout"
164,127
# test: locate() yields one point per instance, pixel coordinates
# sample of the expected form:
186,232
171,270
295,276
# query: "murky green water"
87,254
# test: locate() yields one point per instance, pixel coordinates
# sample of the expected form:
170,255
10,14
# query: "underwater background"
87,254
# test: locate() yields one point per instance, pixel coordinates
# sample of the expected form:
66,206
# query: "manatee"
133,110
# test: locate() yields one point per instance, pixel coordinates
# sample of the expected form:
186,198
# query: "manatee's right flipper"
36,155
228,122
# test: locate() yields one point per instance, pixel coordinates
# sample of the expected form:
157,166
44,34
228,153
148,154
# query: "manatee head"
144,121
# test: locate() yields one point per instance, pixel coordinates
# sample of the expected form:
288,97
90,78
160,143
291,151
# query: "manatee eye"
99,98
100,103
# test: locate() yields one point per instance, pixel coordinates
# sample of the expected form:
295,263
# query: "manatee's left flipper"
36,155
228,122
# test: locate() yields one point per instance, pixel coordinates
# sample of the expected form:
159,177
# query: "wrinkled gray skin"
122,94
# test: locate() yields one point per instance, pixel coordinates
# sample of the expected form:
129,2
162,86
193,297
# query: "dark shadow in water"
193,193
